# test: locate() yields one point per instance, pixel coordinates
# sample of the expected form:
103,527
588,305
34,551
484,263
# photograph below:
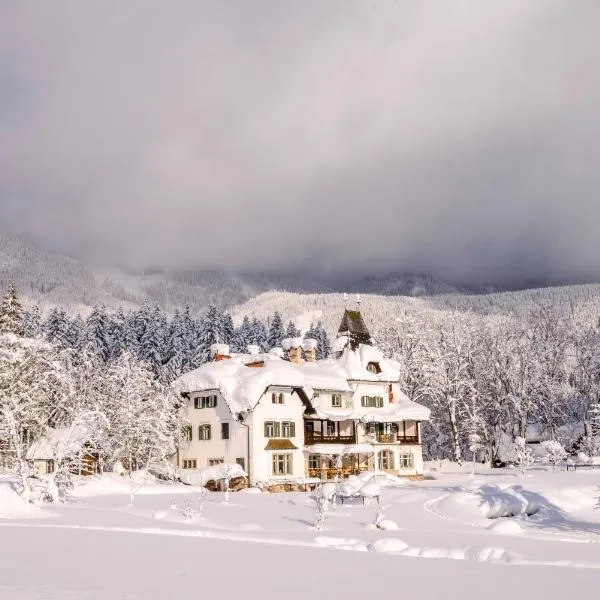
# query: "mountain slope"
52,279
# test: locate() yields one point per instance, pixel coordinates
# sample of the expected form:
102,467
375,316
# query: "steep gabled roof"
353,326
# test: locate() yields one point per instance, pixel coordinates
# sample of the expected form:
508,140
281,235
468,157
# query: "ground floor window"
407,461
314,461
282,464
189,463
242,462
50,466
386,460
215,461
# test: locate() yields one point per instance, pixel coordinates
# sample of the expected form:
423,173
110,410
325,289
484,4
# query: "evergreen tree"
116,327
276,333
242,337
32,323
209,334
227,329
96,339
56,328
151,347
11,312
75,333
323,344
292,331
258,334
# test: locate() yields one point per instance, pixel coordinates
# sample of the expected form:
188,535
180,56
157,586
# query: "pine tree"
97,339
11,312
116,328
292,331
323,345
227,329
209,334
242,337
32,323
276,333
258,334
75,333
56,328
151,347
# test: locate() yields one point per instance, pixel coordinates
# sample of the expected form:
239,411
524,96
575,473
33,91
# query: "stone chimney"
293,349
310,350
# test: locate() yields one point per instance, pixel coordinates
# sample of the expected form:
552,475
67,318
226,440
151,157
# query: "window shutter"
266,429
292,429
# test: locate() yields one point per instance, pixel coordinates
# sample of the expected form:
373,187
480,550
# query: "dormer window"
277,397
374,367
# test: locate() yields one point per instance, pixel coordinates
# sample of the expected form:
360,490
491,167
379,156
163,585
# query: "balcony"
316,437
393,438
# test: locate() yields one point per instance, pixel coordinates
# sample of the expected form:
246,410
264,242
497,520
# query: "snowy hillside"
51,279
305,309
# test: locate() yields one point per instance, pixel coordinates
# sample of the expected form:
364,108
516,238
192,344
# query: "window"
372,401
282,464
205,402
288,429
50,466
314,462
336,400
242,462
224,431
406,461
330,428
189,463
186,434
215,461
272,429
204,432
386,460
373,367
277,398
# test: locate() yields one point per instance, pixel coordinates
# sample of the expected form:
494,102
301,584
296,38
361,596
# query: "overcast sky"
459,138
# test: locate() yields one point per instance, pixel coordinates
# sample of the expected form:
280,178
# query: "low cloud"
459,139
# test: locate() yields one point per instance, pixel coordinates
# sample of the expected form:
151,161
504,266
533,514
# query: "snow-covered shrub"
524,454
554,452
323,499
193,508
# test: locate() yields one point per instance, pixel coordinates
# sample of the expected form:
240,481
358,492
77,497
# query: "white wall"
203,450
292,409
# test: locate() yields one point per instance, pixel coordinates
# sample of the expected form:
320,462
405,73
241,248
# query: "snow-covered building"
284,416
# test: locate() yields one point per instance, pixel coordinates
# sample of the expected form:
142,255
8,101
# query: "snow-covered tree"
276,332
32,323
142,415
524,457
32,377
11,312
97,339
292,331
554,452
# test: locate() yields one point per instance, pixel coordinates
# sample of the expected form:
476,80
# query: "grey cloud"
457,138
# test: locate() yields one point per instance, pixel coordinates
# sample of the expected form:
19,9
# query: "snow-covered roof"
242,386
54,443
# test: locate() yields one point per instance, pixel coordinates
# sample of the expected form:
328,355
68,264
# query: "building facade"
285,417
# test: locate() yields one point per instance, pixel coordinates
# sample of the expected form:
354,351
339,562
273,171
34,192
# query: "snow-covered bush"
554,452
193,508
323,499
524,454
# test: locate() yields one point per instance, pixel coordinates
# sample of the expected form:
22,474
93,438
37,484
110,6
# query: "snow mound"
342,543
13,506
505,527
507,503
389,545
387,525
251,490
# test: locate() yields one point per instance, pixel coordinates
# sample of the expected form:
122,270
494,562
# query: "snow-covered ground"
439,540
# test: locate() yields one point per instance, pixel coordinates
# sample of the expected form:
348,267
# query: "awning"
280,445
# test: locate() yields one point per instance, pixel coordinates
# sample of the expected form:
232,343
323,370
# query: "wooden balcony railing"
331,473
393,438
314,437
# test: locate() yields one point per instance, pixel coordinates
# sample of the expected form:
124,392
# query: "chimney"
293,349
219,352
309,346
